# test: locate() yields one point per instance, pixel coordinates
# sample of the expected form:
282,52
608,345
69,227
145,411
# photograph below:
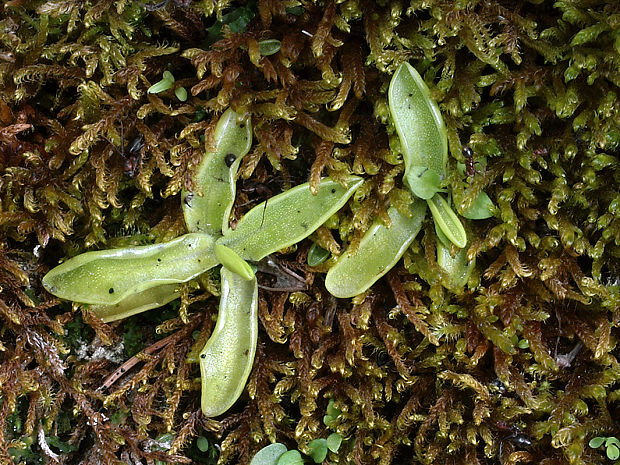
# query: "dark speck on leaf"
230,159
333,191
111,290
203,356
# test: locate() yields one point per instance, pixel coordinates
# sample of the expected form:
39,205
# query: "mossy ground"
532,86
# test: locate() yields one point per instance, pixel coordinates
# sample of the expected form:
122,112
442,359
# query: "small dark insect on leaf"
188,199
230,159
521,441
498,386
516,436
470,163
133,157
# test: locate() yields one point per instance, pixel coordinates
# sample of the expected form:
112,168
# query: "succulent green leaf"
216,176
333,442
317,255
137,303
292,457
418,122
107,277
458,268
202,443
442,237
287,218
269,47
481,209
269,455
613,452
181,93
612,440
233,262
423,182
227,357
596,442
164,84
332,410
317,449
447,220
378,251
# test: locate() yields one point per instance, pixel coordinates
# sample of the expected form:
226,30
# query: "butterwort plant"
423,144
121,282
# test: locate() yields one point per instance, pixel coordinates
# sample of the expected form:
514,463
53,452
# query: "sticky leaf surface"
107,277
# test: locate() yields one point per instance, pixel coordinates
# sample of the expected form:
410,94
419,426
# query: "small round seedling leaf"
613,452
333,442
423,182
332,411
202,443
292,457
612,440
317,255
317,449
269,47
181,93
596,442
523,344
481,209
269,455
168,76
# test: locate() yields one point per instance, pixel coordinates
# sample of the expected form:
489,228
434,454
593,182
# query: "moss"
533,87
